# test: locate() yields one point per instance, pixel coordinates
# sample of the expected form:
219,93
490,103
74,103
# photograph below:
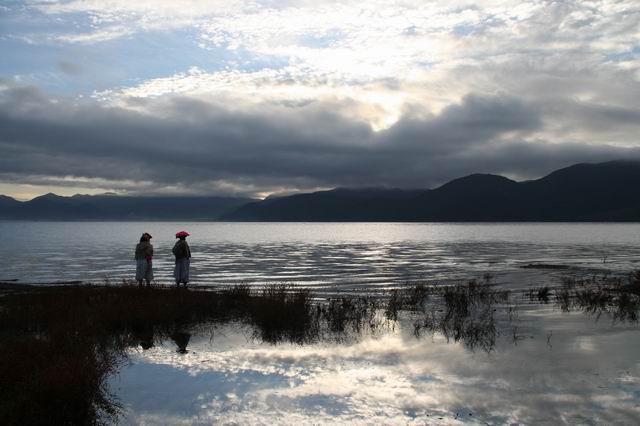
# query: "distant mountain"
335,205
583,192
114,207
7,202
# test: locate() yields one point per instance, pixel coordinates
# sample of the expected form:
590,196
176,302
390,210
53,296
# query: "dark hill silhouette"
54,206
478,197
588,192
114,207
584,192
7,202
334,205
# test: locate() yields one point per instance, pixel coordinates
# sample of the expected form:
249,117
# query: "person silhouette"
143,335
181,340
182,252
144,260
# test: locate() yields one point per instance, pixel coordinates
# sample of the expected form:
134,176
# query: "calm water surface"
544,366
322,255
561,368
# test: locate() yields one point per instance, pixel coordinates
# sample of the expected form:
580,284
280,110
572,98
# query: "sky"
250,98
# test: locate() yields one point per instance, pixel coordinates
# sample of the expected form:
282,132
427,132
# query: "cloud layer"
182,142
239,97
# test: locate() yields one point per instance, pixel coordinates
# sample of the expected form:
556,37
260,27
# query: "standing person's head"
145,237
182,235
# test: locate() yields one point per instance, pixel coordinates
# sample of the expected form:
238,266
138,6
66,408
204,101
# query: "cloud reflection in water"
587,373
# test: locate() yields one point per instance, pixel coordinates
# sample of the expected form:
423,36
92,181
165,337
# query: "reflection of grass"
541,294
59,344
463,312
598,295
55,379
281,313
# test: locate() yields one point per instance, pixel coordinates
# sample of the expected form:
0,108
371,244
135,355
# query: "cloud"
70,68
360,41
393,55
96,36
218,145
283,95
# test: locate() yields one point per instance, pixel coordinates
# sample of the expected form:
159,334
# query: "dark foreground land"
60,344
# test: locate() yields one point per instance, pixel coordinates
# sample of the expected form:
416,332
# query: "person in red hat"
182,252
144,258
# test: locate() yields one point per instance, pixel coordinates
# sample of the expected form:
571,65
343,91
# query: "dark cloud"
181,142
70,68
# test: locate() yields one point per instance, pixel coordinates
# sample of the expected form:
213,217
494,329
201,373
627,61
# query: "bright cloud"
387,55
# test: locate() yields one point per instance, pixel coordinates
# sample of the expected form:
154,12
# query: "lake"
525,360
325,256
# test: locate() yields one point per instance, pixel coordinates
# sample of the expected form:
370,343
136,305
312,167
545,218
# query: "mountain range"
116,207
583,192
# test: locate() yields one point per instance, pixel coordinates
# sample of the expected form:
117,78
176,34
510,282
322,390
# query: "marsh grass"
616,296
348,316
539,294
281,312
463,313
